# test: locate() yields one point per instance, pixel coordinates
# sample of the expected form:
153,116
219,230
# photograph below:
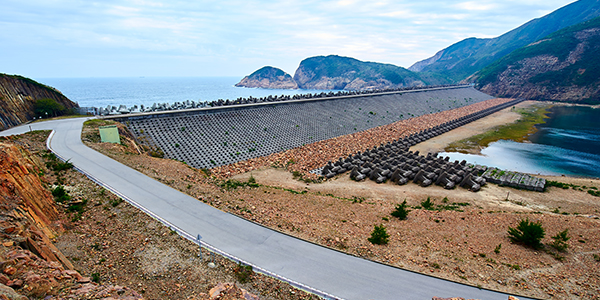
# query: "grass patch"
234,184
517,131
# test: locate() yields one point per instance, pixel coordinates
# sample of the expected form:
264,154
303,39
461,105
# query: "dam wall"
206,138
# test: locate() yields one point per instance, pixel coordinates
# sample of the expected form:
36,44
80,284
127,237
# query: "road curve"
327,272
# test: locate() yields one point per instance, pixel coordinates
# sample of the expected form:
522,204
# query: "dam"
217,136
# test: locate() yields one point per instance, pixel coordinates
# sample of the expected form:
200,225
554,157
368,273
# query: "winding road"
323,271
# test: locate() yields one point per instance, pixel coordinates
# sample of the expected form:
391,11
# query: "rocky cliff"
17,99
464,58
345,73
31,266
564,66
268,78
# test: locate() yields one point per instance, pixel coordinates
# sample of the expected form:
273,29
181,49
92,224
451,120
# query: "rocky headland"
268,78
335,72
18,96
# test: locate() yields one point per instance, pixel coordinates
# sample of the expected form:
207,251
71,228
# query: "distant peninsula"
268,78
335,72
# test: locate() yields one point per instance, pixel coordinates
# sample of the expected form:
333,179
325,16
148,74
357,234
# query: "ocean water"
567,144
101,92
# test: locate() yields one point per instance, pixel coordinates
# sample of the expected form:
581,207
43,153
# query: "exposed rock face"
31,265
562,67
17,98
464,58
344,73
268,78
19,179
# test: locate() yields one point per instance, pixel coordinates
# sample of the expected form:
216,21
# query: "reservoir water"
567,144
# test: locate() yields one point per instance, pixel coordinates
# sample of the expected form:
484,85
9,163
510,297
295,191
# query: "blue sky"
117,38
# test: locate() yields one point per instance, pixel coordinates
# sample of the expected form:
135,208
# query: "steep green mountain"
346,73
268,78
18,97
564,66
464,58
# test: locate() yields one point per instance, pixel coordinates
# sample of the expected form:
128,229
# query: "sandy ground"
439,143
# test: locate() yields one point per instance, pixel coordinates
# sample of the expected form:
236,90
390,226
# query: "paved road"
330,272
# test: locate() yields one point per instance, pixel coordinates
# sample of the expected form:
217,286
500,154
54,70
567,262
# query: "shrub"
401,212
48,108
60,194
497,249
560,240
379,236
427,204
527,233
243,273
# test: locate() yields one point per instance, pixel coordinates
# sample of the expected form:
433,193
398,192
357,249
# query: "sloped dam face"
206,138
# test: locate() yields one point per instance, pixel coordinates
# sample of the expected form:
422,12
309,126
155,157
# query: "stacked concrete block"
514,179
393,161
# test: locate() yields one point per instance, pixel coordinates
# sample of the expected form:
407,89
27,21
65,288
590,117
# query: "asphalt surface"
328,272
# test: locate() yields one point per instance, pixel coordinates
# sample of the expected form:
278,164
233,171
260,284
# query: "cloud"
236,37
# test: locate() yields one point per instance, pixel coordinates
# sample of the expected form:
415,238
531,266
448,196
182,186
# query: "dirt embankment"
86,243
463,237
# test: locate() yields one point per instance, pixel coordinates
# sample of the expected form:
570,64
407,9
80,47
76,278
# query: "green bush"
379,236
48,108
560,240
401,212
427,204
60,194
527,233
497,249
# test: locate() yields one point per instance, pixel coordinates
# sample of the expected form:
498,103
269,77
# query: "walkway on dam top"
329,273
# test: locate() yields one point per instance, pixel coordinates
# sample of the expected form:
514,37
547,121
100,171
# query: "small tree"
379,236
48,108
560,240
401,212
527,233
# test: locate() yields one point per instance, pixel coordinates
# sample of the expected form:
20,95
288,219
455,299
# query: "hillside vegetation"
564,66
468,56
22,99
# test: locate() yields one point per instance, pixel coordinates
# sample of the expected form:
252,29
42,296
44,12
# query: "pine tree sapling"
379,236
427,204
527,233
401,212
560,240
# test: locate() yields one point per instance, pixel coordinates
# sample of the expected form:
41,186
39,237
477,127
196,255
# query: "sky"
130,38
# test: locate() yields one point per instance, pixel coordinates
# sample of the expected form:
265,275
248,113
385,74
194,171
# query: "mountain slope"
345,73
18,96
268,78
470,55
564,66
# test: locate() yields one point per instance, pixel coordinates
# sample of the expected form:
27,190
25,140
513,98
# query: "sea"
568,143
130,91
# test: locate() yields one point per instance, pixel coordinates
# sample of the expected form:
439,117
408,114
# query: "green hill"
466,57
346,73
564,66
